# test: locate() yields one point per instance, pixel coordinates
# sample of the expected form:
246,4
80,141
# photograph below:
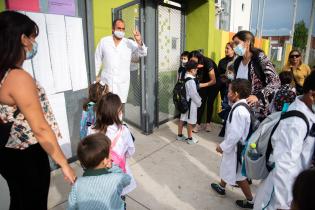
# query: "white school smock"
114,63
292,154
191,93
124,146
235,131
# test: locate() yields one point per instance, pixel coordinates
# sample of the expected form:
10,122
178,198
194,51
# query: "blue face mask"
32,53
239,50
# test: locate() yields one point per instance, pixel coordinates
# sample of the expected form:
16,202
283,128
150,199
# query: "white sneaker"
181,138
192,141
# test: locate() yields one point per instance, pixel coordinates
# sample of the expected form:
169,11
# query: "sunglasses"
295,56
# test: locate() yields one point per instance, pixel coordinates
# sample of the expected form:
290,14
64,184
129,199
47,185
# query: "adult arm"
212,79
137,46
23,91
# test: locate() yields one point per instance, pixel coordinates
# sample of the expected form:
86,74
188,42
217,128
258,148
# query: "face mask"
230,76
239,50
32,53
119,34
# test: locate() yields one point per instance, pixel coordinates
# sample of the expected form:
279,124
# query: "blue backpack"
87,120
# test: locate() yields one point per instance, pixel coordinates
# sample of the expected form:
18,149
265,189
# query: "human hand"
69,174
137,37
219,149
251,100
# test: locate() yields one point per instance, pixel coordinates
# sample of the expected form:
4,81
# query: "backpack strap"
237,105
119,133
189,102
292,113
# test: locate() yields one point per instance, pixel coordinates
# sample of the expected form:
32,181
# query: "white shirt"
114,62
242,72
292,154
236,130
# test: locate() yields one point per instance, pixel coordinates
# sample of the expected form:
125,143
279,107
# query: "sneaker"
192,141
181,138
216,187
196,129
208,127
245,204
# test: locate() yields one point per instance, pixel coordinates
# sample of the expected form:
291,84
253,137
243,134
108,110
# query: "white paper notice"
56,31
28,67
58,105
76,54
41,61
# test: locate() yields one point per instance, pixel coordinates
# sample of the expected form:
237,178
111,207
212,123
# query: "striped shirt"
99,189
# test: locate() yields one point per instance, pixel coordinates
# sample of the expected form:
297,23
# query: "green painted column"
2,5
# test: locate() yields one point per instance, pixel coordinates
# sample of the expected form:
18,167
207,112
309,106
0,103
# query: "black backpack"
179,96
5,130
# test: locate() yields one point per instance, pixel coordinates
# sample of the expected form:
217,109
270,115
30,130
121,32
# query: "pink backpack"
119,160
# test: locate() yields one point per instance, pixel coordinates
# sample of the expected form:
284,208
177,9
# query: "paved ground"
169,174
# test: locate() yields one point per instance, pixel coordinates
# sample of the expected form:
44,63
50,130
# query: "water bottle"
252,153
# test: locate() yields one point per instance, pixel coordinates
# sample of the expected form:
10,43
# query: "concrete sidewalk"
170,174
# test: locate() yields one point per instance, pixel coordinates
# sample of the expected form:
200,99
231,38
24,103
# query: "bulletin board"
61,63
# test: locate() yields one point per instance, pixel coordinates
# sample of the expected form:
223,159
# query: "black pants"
207,100
27,173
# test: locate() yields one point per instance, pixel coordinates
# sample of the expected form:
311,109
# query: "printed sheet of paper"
56,31
76,53
41,62
62,7
28,67
58,105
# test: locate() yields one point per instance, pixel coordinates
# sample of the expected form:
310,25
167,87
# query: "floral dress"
21,136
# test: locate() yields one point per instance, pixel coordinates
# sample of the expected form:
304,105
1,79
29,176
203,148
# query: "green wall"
2,5
102,17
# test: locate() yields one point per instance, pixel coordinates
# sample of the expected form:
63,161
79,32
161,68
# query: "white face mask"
230,76
240,50
119,34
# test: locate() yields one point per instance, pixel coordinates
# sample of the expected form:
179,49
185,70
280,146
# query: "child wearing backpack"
236,134
109,122
102,182
194,102
285,94
293,144
96,91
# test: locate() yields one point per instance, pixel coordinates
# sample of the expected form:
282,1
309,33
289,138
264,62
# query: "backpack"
88,119
254,124
119,160
179,96
5,130
260,167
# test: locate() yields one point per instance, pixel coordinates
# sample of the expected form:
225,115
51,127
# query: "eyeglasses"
294,56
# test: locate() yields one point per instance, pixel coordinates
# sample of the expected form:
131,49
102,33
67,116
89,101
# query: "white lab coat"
191,93
235,131
114,63
291,154
124,146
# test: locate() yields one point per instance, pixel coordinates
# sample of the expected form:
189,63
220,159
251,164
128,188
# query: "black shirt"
223,64
203,73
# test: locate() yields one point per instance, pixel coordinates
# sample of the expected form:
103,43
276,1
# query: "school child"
304,190
195,101
183,61
285,94
293,144
96,91
235,136
102,182
109,122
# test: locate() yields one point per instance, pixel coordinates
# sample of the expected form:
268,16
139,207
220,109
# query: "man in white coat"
292,153
113,57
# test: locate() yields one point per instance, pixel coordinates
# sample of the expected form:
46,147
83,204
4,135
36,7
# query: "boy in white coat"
191,94
292,153
236,132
